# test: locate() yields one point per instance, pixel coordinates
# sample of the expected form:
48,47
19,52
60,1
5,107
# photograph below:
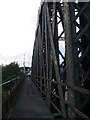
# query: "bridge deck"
30,104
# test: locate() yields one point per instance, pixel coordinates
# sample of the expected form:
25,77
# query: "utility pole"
24,65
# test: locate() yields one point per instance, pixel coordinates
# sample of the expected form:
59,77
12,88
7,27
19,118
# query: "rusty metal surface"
9,98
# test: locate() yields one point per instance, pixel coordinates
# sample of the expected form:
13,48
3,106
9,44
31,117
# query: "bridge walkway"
30,104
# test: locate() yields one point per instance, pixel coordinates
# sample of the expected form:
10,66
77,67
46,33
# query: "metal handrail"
9,81
78,89
9,99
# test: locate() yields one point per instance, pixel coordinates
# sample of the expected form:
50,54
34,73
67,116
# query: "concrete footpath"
29,104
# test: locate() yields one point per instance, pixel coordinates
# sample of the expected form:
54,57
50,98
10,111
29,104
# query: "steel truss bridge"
60,67
61,58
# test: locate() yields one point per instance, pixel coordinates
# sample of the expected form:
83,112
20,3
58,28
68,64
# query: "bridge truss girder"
61,58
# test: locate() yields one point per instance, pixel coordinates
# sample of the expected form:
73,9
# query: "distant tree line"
10,71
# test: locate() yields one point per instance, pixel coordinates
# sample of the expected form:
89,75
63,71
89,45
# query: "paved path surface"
30,104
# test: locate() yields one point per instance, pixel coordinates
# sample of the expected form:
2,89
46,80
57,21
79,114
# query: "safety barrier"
13,89
49,95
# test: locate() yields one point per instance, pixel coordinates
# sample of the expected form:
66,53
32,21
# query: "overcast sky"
18,19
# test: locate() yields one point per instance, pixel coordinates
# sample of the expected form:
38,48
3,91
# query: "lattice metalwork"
61,58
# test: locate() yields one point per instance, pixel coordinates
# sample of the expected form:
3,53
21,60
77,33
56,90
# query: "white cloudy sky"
18,19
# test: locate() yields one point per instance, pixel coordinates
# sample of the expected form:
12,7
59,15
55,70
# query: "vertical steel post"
69,57
63,110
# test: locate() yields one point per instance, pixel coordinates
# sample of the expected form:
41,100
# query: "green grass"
5,91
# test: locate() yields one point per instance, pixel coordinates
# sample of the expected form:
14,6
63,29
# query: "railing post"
10,97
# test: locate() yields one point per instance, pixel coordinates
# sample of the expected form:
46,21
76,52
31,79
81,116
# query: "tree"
10,71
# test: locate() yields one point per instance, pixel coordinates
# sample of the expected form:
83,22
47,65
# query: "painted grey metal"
61,58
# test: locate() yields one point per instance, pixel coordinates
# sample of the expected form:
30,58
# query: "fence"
13,88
